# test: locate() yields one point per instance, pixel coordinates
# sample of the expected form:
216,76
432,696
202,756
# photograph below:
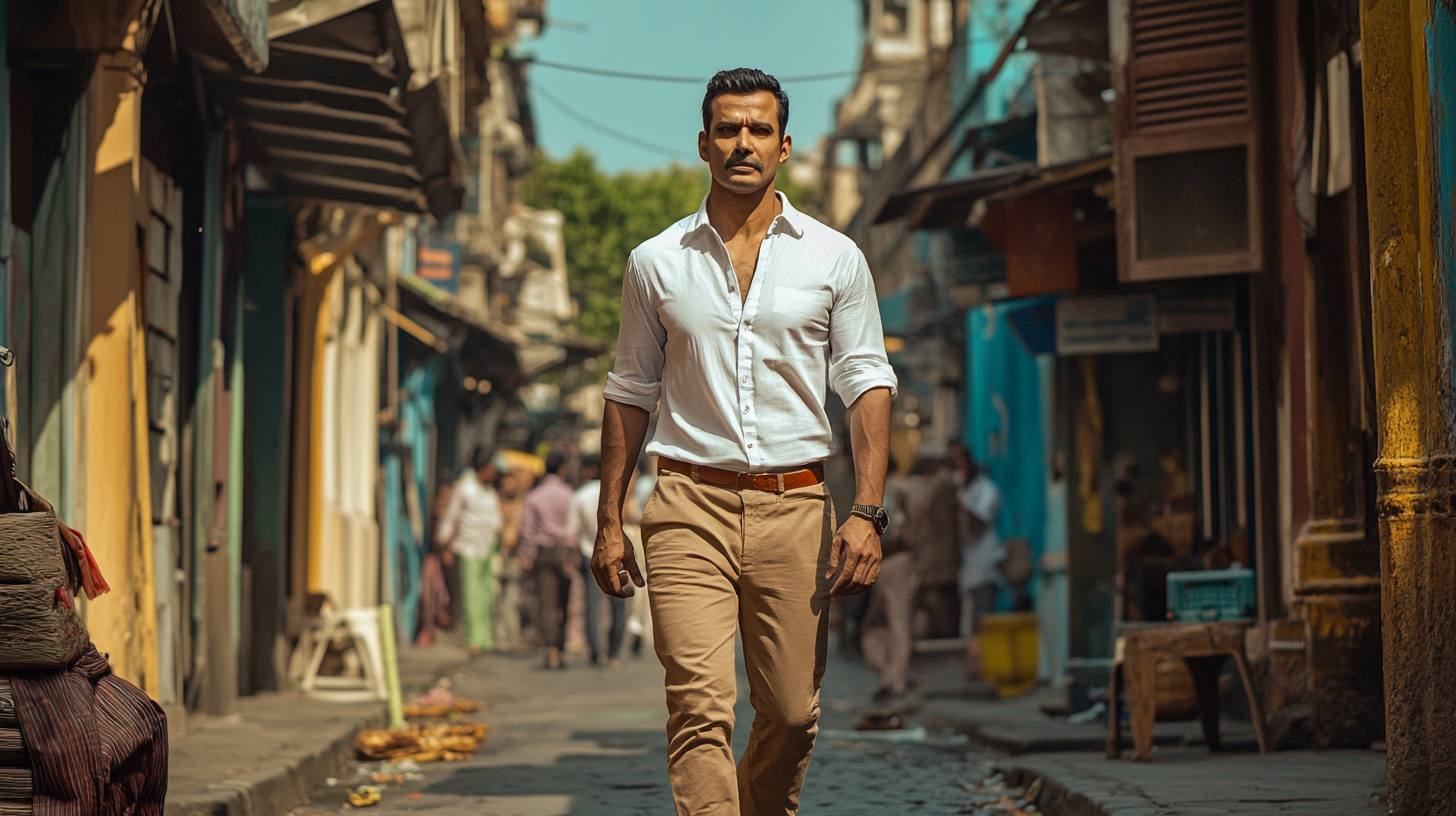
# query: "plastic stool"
362,628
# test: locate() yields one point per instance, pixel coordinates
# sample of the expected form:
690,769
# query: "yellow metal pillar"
1407,49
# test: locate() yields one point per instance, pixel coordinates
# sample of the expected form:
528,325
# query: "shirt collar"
791,217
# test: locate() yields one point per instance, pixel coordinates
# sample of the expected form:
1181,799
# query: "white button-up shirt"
472,521
742,381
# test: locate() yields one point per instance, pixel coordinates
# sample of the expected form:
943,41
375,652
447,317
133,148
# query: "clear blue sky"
682,38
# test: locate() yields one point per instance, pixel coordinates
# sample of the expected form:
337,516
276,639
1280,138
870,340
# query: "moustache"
743,161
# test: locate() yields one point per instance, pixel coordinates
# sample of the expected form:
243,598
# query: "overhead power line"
607,72
605,129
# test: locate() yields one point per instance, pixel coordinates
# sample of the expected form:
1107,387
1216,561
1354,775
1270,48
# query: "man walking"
735,320
549,548
471,527
584,527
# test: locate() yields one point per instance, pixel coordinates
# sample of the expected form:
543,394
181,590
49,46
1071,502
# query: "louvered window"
1184,75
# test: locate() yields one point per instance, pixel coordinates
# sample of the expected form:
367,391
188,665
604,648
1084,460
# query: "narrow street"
1117,334
590,741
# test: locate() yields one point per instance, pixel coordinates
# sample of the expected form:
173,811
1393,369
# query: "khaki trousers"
720,561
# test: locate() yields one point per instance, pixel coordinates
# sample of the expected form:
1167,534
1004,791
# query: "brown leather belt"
768,482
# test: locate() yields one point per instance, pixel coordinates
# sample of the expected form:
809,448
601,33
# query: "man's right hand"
612,554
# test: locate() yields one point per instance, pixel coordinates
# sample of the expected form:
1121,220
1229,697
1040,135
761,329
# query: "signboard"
1206,314
1118,324
439,264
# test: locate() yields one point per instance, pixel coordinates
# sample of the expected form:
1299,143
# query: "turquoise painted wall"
1003,423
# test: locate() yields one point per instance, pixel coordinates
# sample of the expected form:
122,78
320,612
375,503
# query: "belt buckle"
696,475
780,478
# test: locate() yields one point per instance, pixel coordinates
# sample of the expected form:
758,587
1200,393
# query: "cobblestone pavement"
590,741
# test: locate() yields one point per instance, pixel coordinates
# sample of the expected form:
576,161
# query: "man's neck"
733,214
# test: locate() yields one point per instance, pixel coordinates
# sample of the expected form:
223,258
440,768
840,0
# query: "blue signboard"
439,264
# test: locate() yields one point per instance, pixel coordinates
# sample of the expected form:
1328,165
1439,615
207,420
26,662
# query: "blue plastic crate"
1201,596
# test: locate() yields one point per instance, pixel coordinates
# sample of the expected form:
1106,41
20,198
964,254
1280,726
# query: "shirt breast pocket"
801,308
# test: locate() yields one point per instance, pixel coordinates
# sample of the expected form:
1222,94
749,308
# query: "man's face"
743,146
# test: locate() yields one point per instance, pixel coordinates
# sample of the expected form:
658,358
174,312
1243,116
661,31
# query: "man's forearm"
869,434
623,429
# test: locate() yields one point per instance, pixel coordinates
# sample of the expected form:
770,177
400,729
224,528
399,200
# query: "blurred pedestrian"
737,320
932,531
888,649
584,527
639,618
548,549
439,575
471,527
515,482
981,548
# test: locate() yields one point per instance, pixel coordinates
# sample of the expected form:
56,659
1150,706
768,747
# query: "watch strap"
873,514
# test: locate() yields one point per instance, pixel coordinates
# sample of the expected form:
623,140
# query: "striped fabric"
16,790
96,744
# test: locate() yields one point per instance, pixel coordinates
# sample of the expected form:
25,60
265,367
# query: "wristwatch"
875,515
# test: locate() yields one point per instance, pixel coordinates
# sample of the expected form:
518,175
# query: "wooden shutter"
1185,76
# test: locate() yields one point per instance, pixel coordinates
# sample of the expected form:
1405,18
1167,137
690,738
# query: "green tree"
607,216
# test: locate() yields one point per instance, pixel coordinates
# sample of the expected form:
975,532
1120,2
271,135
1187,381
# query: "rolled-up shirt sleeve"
857,361
636,378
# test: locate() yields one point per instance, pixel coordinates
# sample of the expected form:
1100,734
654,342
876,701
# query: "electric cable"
605,129
607,72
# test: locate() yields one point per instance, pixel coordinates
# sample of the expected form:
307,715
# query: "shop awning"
334,116
1081,174
438,322
948,203
235,31
1073,28
488,349
953,203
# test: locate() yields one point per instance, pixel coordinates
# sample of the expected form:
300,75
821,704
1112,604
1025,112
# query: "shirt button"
750,444
745,409
745,380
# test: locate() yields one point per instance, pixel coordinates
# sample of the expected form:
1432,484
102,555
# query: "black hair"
745,81
481,457
555,461
592,460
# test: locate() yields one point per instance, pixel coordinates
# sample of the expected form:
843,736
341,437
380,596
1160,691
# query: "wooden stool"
1203,646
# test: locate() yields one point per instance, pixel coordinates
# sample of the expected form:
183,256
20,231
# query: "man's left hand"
857,545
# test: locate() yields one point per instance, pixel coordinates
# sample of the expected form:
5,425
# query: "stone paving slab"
1184,778
591,742
1191,782
266,757
1018,726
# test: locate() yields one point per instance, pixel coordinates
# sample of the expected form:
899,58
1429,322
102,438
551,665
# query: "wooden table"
1203,647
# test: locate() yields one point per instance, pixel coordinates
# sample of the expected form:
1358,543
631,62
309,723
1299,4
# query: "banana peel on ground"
365,796
432,744
439,702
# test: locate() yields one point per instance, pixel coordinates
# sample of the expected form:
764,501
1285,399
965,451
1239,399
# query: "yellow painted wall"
114,453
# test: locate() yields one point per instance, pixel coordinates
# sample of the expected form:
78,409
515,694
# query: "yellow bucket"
1009,651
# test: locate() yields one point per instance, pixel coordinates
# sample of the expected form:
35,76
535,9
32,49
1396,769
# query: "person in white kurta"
981,549
471,527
